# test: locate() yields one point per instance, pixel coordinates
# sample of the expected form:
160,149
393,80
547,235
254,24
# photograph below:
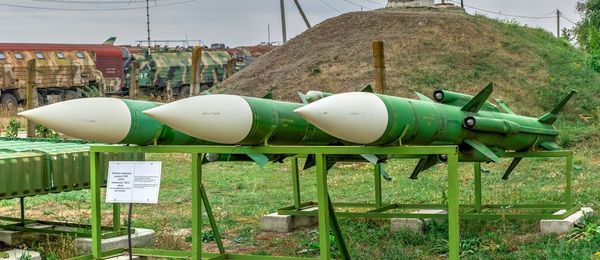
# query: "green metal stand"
325,212
476,210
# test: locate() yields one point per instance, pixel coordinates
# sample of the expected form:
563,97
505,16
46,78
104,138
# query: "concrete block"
13,238
277,223
141,238
285,223
563,226
16,254
415,224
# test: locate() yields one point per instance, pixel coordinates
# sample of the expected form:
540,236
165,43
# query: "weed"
12,129
44,132
314,71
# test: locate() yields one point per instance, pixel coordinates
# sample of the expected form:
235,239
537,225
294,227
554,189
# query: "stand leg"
296,183
95,182
377,175
477,170
337,231
569,186
22,202
116,217
211,219
196,206
323,211
453,217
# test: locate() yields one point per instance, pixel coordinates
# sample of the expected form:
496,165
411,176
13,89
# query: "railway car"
63,70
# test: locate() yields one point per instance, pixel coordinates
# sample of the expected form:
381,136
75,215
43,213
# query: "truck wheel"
8,103
70,94
184,92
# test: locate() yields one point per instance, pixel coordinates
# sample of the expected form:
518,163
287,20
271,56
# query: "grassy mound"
427,49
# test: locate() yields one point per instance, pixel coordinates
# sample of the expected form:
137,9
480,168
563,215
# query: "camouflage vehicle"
161,68
60,75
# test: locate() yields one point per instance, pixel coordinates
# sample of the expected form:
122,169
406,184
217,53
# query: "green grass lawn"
241,193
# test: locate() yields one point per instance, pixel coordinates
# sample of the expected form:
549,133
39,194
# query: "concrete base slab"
415,224
563,226
17,254
141,238
13,238
285,223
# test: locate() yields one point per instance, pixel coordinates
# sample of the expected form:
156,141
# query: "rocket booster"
107,120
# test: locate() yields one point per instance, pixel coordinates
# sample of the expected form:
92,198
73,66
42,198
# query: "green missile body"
240,120
108,120
482,135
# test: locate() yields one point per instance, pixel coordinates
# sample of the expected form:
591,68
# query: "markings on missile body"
133,182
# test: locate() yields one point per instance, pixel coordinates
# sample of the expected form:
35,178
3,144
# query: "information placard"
133,182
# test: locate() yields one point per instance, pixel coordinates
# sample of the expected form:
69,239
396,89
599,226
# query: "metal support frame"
325,212
475,211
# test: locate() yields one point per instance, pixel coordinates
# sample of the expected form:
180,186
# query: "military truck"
163,69
63,71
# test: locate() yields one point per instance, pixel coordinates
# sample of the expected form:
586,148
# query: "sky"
233,22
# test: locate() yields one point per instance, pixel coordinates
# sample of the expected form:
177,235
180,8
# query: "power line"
355,4
94,9
87,2
371,1
505,14
330,6
568,20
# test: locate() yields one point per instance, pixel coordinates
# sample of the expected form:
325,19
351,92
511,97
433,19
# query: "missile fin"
550,117
479,100
423,97
483,149
384,174
504,106
550,146
424,164
310,162
511,167
303,97
370,157
269,95
259,158
368,89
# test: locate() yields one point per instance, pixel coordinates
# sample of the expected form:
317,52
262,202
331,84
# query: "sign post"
133,182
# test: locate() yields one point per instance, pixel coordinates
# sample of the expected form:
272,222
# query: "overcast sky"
234,22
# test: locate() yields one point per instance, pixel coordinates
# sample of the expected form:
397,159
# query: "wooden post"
379,66
31,95
196,70
133,80
230,68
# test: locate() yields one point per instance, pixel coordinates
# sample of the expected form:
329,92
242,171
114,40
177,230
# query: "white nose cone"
105,120
225,119
356,117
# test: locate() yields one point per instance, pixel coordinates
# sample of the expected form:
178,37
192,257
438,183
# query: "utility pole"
302,13
148,22
557,23
462,4
268,33
284,35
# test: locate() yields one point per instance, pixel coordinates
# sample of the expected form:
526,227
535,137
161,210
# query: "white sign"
133,182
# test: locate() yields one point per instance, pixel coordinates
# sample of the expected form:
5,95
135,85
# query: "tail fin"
479,100
110,41
550,117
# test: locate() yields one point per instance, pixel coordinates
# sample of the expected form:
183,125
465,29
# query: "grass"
241,193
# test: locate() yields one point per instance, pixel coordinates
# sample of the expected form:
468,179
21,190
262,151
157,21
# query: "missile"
107,120
481,134
231,119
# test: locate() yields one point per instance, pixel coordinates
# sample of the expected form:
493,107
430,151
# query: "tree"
587,31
